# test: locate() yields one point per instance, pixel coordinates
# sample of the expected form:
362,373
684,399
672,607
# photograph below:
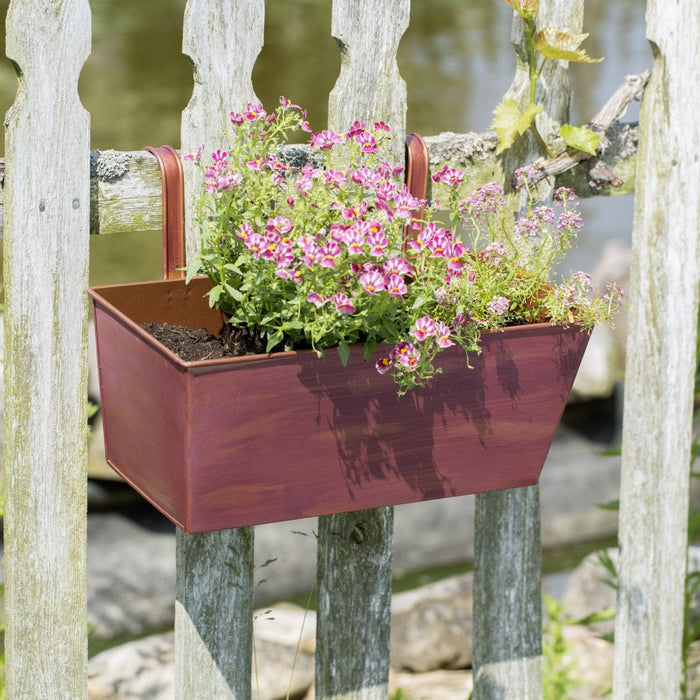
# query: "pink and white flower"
316,299
442,335
372,282
423,328
342,302
396,286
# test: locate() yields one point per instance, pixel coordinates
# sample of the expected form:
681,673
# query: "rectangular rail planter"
242,441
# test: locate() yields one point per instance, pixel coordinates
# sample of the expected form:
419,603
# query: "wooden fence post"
507,548
355,549
214,590
663,312
47,217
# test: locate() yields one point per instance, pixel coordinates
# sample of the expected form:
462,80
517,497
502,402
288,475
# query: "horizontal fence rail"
125,186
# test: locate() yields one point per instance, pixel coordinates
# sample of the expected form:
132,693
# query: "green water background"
456,59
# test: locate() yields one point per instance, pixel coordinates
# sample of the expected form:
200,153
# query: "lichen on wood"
661,364
213,626
45,273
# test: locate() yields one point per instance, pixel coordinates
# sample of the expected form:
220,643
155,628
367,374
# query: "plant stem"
534,75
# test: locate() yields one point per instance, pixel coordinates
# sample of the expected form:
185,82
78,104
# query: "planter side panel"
243,441
143,399
299,437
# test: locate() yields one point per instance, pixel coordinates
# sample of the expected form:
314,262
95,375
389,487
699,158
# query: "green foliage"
691,614
547,43
554,43
527,9
556,672
580,137
92,409
557,669
510,121
331,249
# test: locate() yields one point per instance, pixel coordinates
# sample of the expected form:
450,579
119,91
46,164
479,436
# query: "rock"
142,670
282,633
431,627
131,577
587,591
614,266
593,659
437,685
600,371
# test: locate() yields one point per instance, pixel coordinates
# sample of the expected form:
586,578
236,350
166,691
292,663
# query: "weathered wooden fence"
51,203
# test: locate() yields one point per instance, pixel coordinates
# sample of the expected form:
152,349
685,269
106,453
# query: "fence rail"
49,206
125,187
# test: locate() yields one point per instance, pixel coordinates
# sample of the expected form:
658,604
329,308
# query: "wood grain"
661,362
214,598
45,274
507,559
352,662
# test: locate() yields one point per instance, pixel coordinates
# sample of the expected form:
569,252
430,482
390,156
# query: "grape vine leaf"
509,122
525,8
555,43
580,137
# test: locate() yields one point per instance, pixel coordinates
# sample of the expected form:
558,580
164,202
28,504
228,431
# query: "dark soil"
191,345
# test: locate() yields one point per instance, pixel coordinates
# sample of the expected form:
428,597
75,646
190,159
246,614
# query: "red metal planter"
225,443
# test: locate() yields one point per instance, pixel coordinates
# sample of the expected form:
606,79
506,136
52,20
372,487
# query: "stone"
144,670
131,576
593,659
436,685
141,670
431,627
614,265
587,591
600,370
604,360
285,641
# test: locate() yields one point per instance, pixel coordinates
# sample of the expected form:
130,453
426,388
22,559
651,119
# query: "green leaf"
419,301
525,8
580,137
555,43
344,353
233,292
598,616
214,294
192,269
610,505
370,345
273,340
509,122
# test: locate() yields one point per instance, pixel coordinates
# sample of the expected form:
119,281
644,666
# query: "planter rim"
184,365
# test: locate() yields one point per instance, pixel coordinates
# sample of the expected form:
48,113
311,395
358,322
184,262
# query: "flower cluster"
329,251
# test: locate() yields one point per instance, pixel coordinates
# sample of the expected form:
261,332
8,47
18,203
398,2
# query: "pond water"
456,59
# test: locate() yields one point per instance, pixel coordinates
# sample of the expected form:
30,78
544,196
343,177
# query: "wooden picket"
507,544
215,581
45,274
355,550
661,347
46,224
